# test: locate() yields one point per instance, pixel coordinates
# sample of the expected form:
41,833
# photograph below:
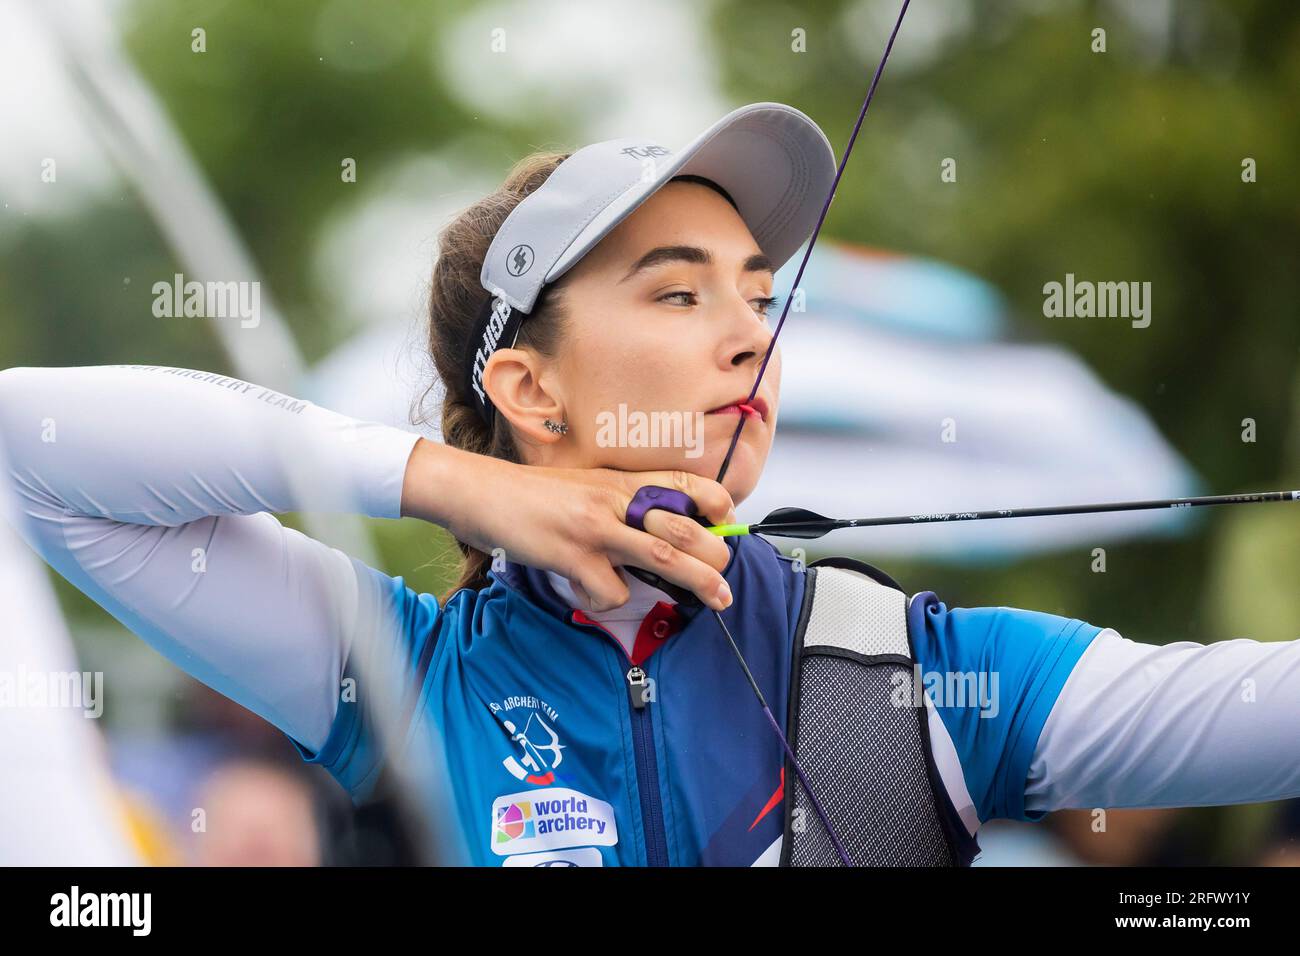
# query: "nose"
751,339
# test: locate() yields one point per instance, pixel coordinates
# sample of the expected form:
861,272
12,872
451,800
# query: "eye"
763,304
671,295
766,304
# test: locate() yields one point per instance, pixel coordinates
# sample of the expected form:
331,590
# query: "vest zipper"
647,770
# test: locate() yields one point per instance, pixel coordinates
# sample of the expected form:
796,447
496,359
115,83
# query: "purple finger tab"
650,497
647,499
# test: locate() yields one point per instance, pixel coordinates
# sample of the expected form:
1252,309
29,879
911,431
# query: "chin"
739,485
742,474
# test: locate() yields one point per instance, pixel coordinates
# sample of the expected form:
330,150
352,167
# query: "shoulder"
1005,637
416,628
993,675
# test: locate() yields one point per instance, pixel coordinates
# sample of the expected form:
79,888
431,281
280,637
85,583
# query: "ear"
513,380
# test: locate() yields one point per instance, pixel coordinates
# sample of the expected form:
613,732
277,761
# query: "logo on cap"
520,260
643,152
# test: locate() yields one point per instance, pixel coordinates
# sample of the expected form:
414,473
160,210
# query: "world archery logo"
552,819
515,821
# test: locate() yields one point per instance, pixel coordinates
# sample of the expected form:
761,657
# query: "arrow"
801,523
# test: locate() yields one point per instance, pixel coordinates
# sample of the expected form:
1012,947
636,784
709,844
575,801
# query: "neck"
623,621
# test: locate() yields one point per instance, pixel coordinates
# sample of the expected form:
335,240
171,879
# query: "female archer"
572,711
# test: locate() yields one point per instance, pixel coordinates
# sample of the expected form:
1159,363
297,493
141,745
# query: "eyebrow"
696,256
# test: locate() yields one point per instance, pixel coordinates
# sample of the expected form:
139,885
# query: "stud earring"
556,429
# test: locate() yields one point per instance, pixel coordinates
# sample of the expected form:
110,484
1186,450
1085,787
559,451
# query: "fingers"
680,565
597,584
713,501
688,535
675,547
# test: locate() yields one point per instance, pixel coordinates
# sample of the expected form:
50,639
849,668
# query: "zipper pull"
636,681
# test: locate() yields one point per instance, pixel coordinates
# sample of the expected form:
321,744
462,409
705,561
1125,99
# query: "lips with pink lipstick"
742,406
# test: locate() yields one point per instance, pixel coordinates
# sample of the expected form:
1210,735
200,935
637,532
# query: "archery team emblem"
538,751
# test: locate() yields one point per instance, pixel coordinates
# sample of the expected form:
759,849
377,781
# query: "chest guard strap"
859,735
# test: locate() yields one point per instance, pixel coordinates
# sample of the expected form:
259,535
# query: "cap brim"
774,161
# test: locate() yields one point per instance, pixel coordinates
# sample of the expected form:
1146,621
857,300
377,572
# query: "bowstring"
735,438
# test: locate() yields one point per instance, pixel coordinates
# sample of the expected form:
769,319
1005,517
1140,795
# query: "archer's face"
677,342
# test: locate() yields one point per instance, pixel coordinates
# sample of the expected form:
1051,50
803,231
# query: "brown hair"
455,299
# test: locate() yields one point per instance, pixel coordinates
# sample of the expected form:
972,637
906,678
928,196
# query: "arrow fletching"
795,523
